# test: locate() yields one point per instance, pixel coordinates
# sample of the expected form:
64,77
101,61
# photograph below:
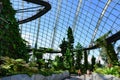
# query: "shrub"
114,70
11,66
47,72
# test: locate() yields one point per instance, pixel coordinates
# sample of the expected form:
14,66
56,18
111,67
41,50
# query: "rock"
55,77
17,77
65,74
114,78
58,77
38,77
97,76
109,77
94,76
48,78
82,77
74,79
6,78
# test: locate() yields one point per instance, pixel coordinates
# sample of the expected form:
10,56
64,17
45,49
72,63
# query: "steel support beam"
56,22
76,15
99,21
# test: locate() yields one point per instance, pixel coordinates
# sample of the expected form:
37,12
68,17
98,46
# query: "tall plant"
93,62
68,58
11,43
67,50
39,60
63,46
85,60
78,55
70,38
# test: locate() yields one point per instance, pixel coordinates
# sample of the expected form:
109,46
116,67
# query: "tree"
40,60
78,55
57,63
85,60
11,43
98,64
63,46
68,60
93,62
67,50
103,55
70,39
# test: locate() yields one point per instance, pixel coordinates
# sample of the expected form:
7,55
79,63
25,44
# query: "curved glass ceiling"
89,20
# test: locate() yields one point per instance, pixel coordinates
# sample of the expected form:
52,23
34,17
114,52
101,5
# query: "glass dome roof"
89,19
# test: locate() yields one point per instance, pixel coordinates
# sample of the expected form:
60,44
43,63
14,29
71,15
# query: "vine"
11,43
107,48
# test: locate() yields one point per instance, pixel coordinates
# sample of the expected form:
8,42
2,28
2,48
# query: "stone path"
61,76
95,76
74,77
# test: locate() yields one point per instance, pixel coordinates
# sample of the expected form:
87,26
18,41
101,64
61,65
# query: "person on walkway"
88,75
79,72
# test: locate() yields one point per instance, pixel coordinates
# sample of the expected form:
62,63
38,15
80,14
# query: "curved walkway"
40,13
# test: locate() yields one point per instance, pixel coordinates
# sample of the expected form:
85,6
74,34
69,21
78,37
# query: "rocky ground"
62,76
94,76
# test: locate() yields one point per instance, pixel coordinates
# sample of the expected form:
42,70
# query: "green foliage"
67,51
70,36
98,65
107,49
115,70
57,63
48,72
11,44
63,46
85,60
11,66
41,63
78,55
93,62
70,39
68,58
38,54
44,50
103,55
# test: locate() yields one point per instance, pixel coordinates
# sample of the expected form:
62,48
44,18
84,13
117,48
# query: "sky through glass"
84,16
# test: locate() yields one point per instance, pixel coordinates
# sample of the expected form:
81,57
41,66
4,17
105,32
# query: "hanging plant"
107,48
11,43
